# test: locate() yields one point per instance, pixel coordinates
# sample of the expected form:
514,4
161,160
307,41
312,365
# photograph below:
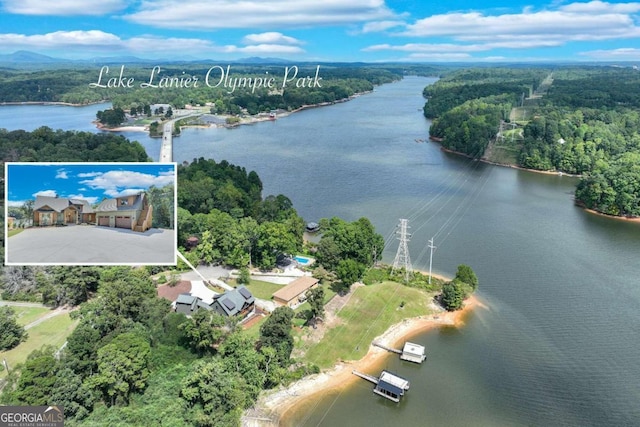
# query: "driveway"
86,244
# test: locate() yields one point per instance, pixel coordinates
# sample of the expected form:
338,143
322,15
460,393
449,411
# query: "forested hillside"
578,121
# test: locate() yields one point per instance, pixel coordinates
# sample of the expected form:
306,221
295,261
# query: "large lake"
559,342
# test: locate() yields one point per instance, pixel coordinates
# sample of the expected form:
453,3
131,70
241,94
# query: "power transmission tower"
402,259
430,257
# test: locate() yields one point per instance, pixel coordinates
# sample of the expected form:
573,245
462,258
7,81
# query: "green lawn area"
15,231
262,290
370,311
26,315
53,332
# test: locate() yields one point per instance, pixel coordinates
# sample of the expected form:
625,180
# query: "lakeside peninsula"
538,119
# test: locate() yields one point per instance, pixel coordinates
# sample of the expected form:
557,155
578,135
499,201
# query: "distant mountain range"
23,58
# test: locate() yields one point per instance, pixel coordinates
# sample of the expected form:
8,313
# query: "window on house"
124,202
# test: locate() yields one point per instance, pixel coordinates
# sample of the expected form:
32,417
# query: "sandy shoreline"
621,218
274,405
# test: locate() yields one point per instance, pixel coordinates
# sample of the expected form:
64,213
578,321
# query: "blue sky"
92,182
327,30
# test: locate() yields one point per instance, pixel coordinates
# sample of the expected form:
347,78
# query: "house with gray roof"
237,302
133,212
188,304
49,210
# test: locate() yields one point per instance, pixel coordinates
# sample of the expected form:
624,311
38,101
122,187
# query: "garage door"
103,220
123,222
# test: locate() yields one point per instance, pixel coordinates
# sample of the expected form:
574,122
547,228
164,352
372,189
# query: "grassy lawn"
26,315
370,311
505,154
15,231
53,332
262,290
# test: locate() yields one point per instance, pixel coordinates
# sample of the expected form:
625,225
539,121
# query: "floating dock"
411,352
388,385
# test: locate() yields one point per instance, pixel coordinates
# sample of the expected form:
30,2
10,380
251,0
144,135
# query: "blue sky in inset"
92,182
328,30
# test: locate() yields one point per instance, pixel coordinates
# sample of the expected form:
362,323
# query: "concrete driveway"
87,244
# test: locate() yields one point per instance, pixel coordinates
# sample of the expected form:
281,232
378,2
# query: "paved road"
22,304
166,149
82,244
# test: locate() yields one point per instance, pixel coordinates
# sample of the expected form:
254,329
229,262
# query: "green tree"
349,271
37,378
123,367
204,331
11,333
244,278
215,396
452,296
316,301
275,332
465,274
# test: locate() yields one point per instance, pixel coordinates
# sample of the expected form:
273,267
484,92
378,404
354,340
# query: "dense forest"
221,204
74,86
132,359
576,120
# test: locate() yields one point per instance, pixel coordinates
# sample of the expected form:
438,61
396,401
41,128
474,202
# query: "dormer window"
124,202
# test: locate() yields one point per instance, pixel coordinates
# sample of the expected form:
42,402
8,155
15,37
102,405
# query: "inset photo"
90,214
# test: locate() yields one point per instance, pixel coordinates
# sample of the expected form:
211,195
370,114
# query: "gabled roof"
112,205
86,207
295,288
58,204
233,301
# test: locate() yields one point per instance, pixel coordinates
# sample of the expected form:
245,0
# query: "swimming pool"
303,260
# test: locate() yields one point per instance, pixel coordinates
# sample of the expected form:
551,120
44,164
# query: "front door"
45,218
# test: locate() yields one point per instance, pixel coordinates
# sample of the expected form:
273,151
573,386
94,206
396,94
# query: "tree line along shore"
568,120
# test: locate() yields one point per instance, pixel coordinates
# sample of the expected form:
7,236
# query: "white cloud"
47,193
264,49
114,183
373,27
217,14
88,174
273,38
15,203
602,7
61,174
621,54
61,40
120,193
576,21
453,47
83,43
63,7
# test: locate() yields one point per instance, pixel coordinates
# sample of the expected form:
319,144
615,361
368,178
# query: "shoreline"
277,404
620,218
506,165
66,104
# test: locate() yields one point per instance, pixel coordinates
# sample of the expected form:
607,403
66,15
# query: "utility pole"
430,257
402,259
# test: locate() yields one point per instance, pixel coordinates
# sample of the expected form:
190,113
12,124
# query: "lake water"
559,342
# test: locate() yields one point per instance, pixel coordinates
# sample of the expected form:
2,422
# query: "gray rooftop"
233,301
59,204
111,205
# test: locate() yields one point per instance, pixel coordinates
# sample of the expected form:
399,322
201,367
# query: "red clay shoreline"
280,404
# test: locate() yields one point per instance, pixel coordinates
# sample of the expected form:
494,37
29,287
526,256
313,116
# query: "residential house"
189,304
49,210
295,292
238,302
132,212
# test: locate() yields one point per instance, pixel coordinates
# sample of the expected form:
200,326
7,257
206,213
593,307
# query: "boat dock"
388,385
411,352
